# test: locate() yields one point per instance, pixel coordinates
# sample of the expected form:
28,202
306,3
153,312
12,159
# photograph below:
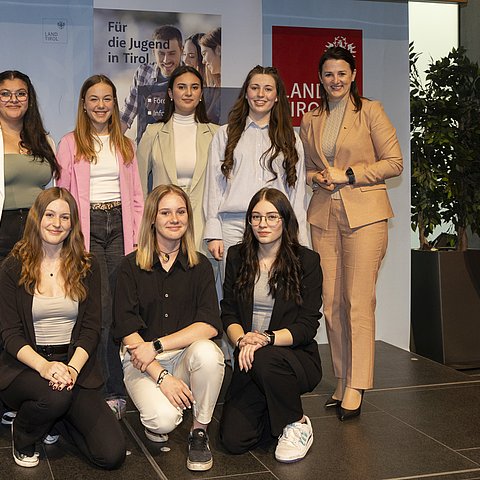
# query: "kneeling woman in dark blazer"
50,327
270,311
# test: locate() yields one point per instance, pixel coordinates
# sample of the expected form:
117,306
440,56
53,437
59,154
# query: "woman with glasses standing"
27,157
100,170
270,311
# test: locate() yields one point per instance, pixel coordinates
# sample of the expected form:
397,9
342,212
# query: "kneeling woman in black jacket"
50,327
270,310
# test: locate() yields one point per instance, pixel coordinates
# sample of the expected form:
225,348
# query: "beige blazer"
156,154
367,143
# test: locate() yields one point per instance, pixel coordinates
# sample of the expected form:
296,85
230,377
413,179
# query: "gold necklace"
165,256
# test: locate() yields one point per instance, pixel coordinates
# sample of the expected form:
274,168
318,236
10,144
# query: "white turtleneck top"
184,138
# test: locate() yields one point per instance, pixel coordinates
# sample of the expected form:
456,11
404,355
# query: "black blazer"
16,325
301,320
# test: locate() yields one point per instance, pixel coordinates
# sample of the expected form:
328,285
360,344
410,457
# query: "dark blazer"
16,325
301,320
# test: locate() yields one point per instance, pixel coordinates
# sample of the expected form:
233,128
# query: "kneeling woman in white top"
50,327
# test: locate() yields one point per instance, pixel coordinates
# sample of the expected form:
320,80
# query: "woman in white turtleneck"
175,150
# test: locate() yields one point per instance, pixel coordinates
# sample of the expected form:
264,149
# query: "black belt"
49,350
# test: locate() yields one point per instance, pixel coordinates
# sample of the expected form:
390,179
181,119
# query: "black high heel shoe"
332,402
346,414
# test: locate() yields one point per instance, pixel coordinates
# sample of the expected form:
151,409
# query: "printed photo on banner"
296,52
139,51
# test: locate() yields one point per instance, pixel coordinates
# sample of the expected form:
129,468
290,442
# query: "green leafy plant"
445,146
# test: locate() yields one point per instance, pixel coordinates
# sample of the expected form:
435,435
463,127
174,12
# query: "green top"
25,178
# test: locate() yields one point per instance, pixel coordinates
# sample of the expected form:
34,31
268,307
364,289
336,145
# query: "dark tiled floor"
422,420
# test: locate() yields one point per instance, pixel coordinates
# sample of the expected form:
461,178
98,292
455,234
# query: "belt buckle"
48,350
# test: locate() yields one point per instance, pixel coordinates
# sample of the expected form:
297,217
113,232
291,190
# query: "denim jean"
106,242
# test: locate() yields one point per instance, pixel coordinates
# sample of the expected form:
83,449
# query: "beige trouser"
350,260
200,366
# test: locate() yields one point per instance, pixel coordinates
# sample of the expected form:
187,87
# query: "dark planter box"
445,311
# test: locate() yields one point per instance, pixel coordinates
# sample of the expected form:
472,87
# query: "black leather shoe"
346,414
332,402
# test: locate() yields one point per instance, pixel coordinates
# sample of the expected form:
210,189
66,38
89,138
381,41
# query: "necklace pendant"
51,274
165,257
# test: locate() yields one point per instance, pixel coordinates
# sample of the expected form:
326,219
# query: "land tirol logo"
296,52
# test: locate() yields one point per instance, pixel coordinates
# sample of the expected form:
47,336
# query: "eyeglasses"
20,96
271,219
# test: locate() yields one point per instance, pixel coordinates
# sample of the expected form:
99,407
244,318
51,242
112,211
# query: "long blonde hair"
147,242
76,261
85,134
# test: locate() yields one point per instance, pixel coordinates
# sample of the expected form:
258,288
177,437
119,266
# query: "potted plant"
445,156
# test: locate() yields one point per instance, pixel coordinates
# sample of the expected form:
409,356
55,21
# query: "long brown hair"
147,242
286,269
84,133
280,129
75,260
33,136
212,39
339,53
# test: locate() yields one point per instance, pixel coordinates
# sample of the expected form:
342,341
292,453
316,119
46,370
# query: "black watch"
351,176
157,345
270,335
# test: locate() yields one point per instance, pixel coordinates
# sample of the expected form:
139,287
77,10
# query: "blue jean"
106,242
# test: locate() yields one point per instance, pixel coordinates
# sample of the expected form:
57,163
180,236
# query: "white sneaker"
7,417
51,439
118,406
24,460
156,437
294,442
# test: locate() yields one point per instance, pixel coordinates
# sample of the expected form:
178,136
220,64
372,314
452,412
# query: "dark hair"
195,39
33,136
286,269
280,129
339,53
168,32
200,110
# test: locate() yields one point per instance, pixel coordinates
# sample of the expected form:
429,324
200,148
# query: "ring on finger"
54,374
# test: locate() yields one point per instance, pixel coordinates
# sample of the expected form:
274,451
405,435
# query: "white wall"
433,27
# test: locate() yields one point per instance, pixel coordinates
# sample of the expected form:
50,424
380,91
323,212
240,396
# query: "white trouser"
200,366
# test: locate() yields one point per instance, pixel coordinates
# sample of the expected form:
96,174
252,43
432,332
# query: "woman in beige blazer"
350,149
175,150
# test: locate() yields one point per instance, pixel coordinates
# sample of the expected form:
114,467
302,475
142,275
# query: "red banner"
296,52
